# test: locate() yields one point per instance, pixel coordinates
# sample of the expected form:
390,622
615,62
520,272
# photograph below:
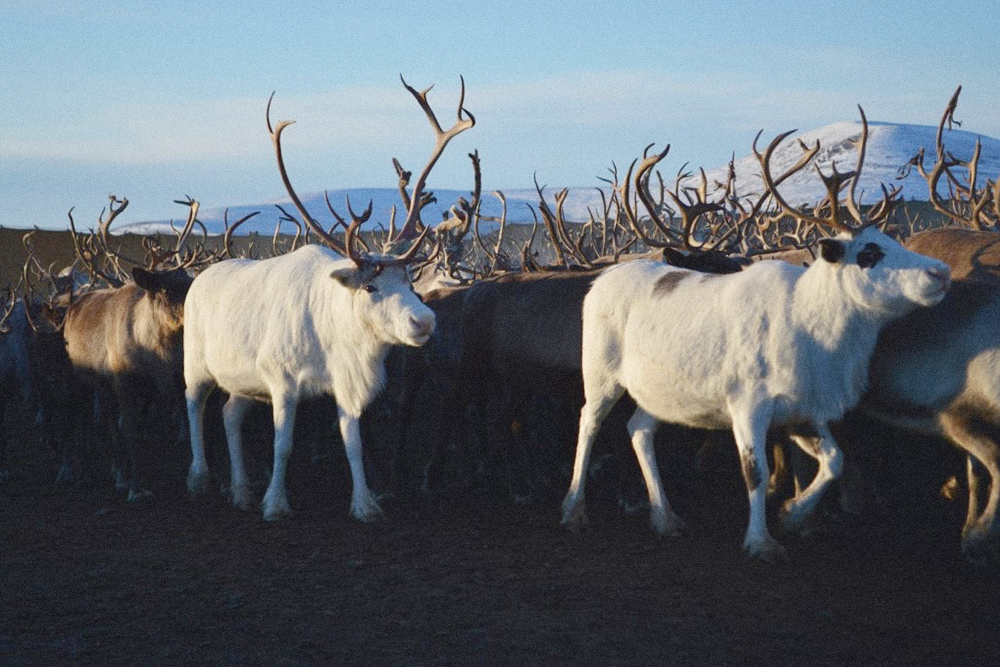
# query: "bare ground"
87,578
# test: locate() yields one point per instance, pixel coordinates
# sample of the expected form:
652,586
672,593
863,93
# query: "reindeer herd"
662,309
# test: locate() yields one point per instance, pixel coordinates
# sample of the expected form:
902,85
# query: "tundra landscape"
367,441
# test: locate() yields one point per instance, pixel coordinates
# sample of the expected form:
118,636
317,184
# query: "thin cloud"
358,119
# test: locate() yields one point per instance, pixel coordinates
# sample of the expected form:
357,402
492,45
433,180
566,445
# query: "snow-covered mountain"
890,146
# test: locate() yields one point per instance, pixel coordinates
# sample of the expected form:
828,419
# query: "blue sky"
158,100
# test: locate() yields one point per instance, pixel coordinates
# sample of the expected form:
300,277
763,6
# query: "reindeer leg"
750,429
196,396
597,407
979,530
233,413
132,403
364,507
275,502
830,459
76,432
642,428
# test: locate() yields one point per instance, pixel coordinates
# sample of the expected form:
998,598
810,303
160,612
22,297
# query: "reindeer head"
383,293
167,290
384,299
876,271
880,274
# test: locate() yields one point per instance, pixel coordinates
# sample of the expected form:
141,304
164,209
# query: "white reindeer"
774,345
303,324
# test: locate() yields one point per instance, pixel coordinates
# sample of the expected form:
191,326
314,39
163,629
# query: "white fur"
282,329
773,345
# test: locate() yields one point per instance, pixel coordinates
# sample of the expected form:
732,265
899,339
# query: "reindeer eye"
370,288
870,256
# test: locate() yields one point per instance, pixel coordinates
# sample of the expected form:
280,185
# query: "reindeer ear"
349,276
832,250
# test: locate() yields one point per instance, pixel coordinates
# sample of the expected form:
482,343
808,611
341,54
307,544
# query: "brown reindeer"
957,343
972,255
124,344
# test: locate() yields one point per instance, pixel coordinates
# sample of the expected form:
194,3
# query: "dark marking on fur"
668,281
870,255
832,250
708,261
751,472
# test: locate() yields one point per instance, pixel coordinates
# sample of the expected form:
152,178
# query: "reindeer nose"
941,272
423,327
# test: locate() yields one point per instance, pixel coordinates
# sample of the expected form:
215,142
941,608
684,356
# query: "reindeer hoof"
197,483
767,550
980,548
670,525
574,517
242,498
790,521
275,510
367,511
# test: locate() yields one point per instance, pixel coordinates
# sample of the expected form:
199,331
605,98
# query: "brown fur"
669,281
752,475
962,326
126,342
971,254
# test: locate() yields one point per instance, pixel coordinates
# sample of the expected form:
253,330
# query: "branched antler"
441,139
968,205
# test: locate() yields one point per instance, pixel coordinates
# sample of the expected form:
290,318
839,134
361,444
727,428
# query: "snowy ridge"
383,200
890,146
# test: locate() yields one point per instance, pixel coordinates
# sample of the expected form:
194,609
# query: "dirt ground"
475,579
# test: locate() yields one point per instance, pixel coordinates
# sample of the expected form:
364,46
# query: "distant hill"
890,146
383,199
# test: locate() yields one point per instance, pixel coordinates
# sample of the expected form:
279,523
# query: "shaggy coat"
773,345
303,324
125,343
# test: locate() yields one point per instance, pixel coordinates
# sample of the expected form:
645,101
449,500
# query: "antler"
348,248
553,223
7,310
227,237
90,248
971,206
642,176
189,225
313,226
441,139
833,183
